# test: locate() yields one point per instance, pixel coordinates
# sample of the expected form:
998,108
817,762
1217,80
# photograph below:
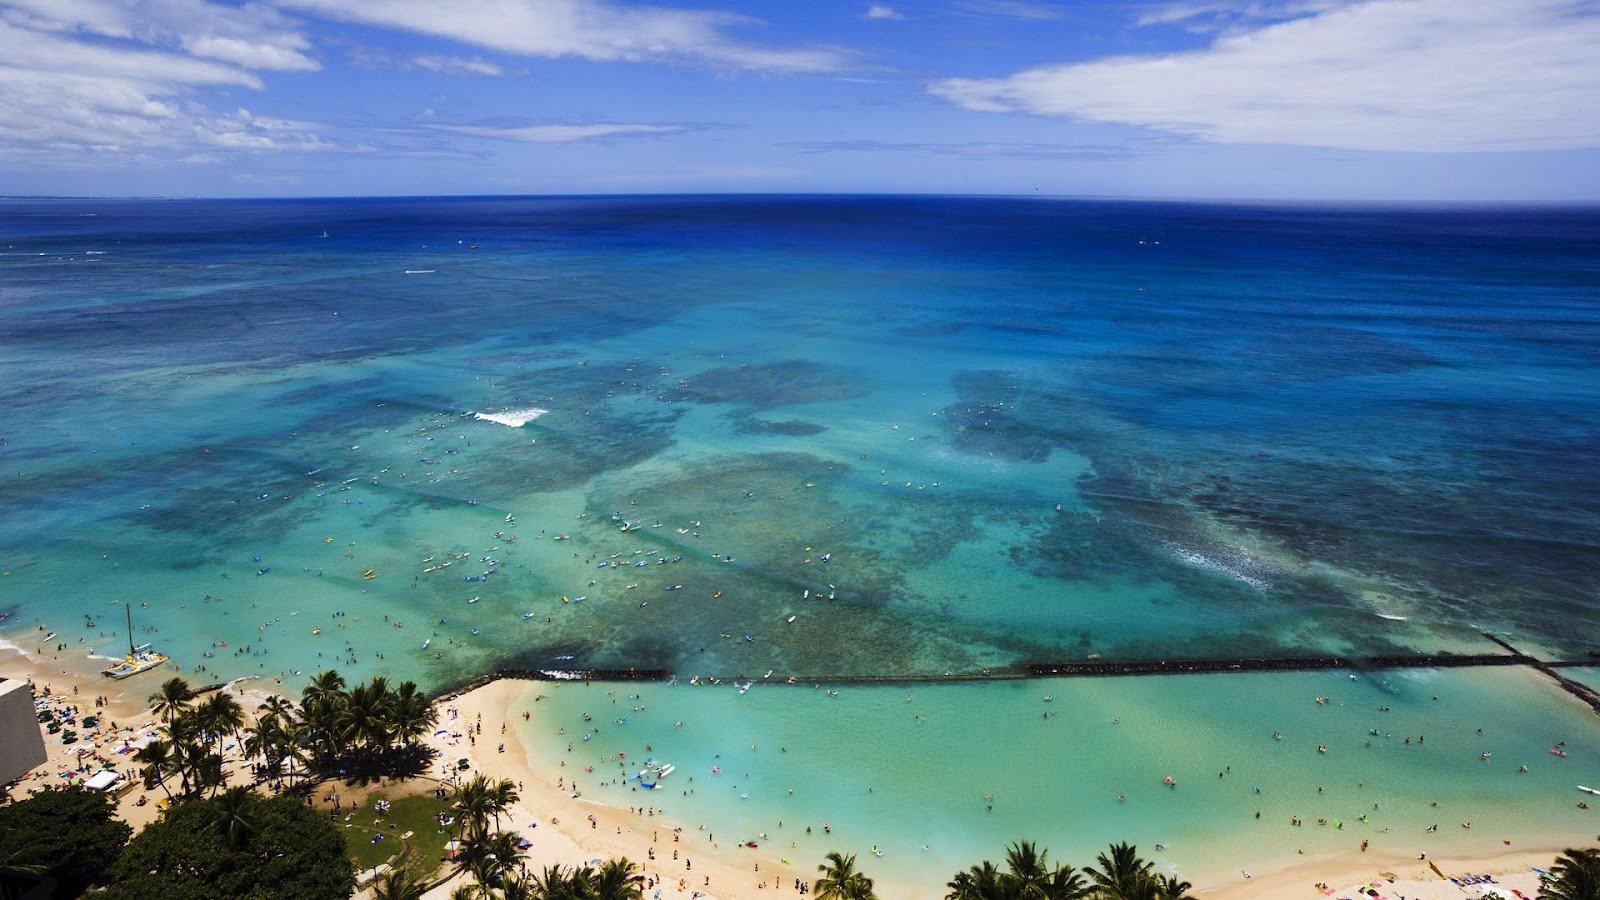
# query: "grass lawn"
410,812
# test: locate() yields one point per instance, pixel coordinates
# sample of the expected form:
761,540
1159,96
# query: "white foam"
1393,618
7,645
1200,561
512,418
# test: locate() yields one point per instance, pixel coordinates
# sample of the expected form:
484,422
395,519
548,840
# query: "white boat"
1589,790
666,770
139,659
142,659
426,643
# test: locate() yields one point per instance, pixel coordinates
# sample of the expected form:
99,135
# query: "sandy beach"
688,862
565,834
681,859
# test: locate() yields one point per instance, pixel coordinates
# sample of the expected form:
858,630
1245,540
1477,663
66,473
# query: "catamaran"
139,659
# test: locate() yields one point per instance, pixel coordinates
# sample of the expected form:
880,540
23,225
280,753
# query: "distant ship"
139,659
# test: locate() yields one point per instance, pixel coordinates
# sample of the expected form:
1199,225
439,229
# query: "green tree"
1576,876
230,816
174,698
404,883
158,761
841,881
618,879
67,833
981,882
1122,874
287,850
411,715
219,715
364,717
1173,888
1028,874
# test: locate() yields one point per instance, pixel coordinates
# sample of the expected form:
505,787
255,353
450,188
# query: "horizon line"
1572,205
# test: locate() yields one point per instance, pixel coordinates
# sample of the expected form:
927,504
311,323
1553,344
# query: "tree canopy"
67,833
1576,876
239,845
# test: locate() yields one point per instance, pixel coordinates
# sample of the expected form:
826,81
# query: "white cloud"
588,29
560,133
456,65
96,77
252,35
1205,15
1014,9
879,11
1417,75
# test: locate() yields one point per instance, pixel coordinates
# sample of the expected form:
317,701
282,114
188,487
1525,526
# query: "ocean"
813,436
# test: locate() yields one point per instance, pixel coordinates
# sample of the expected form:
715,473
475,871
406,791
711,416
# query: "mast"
128,608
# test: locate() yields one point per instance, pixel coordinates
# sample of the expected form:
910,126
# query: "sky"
1478,101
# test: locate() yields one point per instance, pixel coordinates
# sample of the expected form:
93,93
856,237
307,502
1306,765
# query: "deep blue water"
1019,429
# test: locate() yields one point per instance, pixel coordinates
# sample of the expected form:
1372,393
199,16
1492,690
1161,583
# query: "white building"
21,740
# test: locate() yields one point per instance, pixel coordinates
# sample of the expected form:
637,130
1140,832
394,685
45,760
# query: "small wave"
1201,561
1394,618
513,418
7,645
561,675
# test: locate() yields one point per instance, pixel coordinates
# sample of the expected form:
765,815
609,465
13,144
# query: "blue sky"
1450,100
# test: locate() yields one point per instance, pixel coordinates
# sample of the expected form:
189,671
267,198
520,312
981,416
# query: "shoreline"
1343,870
707,868
559,814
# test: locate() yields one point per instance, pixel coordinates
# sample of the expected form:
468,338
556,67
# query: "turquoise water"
895,773
1016,430
940,434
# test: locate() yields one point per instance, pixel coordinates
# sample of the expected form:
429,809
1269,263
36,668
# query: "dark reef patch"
775,384
746,423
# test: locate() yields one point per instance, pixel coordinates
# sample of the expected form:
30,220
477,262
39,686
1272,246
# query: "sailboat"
324,232
139,659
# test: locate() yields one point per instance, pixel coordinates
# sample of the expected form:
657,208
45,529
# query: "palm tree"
474,805
230,815
411,715
364,717
276,708
981,882
404,883
1028,874
219,715
496,859
173,699
1122,875
618,879
1172,887
502,796
518,887
184,735
1576,877
157,758
841,881
554,884
324,686
469,891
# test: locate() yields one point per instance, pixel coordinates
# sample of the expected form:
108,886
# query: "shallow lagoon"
930,761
